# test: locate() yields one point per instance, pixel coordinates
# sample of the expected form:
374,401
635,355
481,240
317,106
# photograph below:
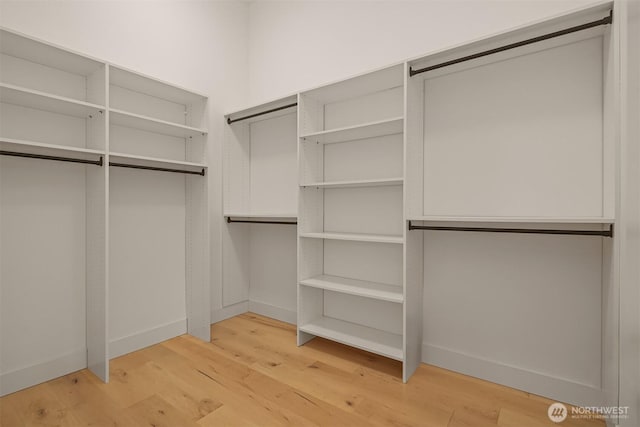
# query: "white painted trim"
538,383
35,374
278,313
143,339
229,311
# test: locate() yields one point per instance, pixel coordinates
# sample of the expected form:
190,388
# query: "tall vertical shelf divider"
351,234
64,119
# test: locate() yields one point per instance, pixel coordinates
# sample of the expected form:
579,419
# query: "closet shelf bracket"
599,233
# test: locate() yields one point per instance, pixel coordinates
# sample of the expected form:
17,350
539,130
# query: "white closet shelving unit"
260,210
517,149
64,118
352,242
508,159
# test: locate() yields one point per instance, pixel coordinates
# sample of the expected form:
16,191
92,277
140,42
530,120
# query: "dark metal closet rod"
247,221
153,168
284,107
56,158
602,233
604,21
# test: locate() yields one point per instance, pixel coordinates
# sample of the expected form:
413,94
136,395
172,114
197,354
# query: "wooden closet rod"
247,221
153,168
56,158
284,107
602,233
604,21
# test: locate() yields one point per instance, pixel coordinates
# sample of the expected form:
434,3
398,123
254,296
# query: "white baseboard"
229,311
143,339
559,389
273,312
35,374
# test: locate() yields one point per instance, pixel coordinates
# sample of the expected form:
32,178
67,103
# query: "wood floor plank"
157,412
253,374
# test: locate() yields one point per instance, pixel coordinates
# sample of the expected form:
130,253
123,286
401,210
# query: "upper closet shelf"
16,95
152,87
136,121
31,147
269,110
46,54
351,133
356,237
357,86
356,183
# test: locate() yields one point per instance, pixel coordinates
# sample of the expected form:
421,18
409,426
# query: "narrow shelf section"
132,159
363,337
22,97
362,288
136,121
351,133
358,183
374,238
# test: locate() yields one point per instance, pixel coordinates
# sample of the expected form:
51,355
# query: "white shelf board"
260,109
374,238
380,291
359,85
23,97
351,133
149,124
356,183
134,159
46,54
32,147
359,336
137,82
512,220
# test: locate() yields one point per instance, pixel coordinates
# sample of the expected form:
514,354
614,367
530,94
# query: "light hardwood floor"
252,374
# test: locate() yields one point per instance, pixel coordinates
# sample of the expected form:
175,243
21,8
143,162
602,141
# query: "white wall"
295,45
201,45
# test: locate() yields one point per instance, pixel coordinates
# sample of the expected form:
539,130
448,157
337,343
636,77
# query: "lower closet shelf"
363,337
361,288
